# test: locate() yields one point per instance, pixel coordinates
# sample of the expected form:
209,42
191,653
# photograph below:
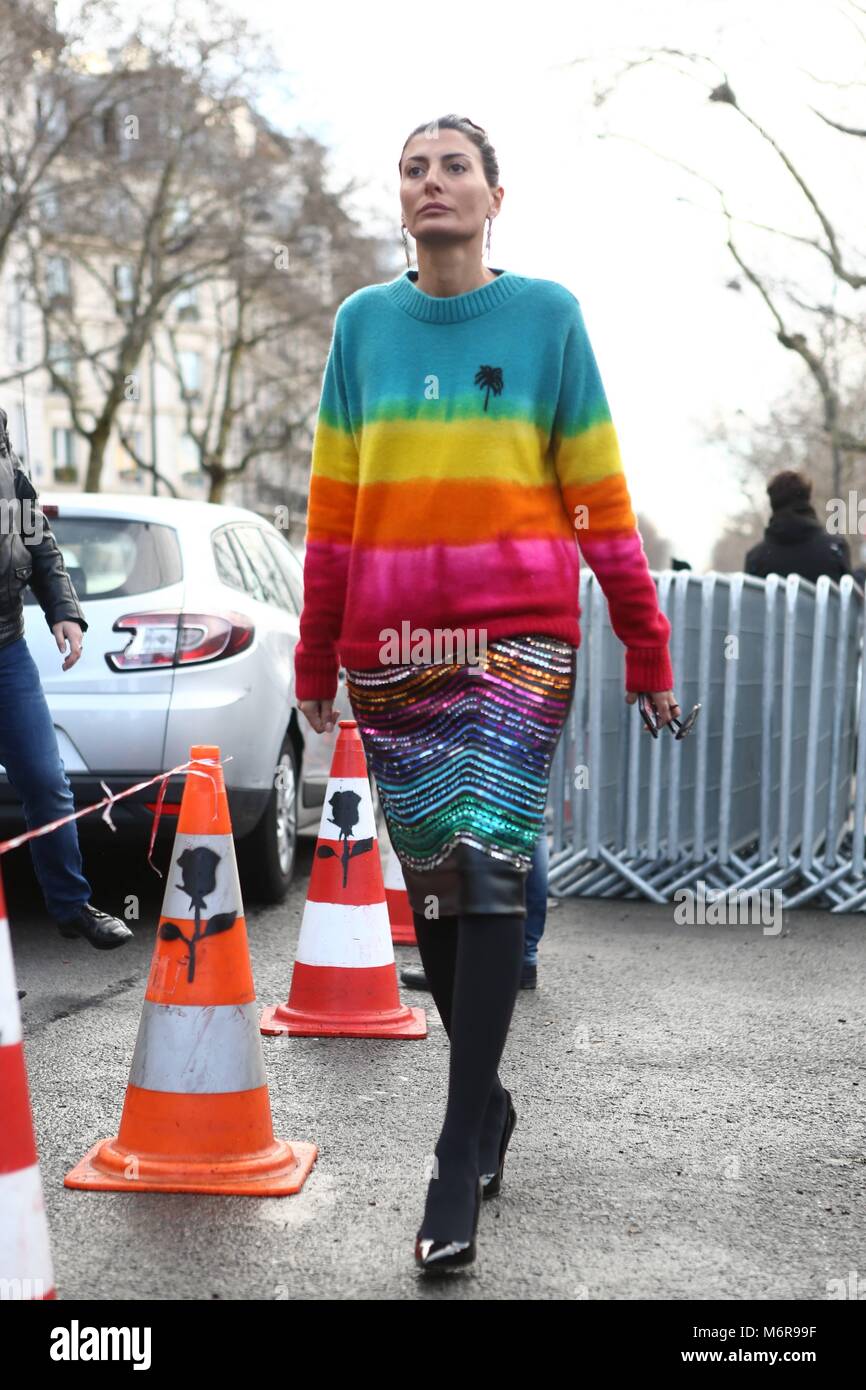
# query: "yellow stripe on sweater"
334,454
395,451
590,456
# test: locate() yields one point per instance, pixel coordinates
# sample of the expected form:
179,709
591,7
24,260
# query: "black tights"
473,966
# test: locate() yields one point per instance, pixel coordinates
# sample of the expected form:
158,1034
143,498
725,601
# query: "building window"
51,116
124,283
15,319
105,127
63,455
129,470
186,303
190,460
58,284
49,203
179,216
20,436
190,373
61,357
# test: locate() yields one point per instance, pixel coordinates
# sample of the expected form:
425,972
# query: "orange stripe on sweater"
451,513
607,503
454,513
330,509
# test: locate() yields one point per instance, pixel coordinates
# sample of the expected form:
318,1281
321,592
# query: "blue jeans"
536,900
29,753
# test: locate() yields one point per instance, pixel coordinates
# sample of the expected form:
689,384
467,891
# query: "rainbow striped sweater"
463,450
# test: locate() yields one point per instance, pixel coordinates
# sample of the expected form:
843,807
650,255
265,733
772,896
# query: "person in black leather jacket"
795,541
28,744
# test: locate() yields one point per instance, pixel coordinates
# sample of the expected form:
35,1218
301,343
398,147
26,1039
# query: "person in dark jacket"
28,744
795,541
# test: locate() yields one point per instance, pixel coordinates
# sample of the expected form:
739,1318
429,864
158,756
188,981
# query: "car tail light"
173,638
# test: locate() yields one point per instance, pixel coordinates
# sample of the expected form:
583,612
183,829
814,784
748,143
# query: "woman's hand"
665,705
320,714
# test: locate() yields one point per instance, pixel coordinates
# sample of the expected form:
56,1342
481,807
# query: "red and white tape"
109,800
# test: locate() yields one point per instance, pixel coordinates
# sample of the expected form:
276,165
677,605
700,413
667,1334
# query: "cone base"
403,936
400,1023
278,1173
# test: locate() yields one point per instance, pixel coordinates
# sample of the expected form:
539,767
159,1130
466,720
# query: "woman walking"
463,444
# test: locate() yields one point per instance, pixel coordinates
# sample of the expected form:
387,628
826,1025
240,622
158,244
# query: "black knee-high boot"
486,981
437,947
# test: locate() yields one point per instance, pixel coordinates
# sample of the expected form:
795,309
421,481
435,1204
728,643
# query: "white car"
193,613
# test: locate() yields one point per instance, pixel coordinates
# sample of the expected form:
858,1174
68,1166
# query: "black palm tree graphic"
198,875
344,806
491,378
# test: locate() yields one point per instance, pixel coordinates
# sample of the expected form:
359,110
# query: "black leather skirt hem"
467,880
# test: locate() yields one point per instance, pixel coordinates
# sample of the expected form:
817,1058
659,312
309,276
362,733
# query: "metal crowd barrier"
768,791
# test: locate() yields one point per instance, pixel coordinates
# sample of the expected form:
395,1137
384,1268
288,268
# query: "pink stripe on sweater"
469,583
620,549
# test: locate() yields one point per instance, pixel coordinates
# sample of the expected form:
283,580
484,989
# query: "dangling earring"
406,247
489,230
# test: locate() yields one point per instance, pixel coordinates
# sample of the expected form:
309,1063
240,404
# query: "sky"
592,197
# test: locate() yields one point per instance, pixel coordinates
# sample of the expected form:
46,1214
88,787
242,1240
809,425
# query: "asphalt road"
690,1117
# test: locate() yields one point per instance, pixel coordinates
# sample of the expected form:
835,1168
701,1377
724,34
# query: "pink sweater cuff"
316,675
648,668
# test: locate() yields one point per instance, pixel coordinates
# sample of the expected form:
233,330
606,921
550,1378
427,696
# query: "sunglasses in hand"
649,713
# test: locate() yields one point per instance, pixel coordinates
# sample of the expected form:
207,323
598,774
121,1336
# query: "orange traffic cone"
344,983
397,898
197,1116
25,1255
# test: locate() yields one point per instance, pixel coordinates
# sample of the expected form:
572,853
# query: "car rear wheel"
266,857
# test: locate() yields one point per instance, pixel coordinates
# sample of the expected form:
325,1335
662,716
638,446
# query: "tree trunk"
98,444
217,486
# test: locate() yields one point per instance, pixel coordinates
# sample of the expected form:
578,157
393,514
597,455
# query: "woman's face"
445,168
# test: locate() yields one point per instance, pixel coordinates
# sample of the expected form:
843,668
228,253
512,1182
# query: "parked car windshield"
109,557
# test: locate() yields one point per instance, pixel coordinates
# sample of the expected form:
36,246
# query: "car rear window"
109,557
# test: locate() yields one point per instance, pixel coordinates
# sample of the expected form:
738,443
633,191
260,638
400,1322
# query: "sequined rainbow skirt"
461,754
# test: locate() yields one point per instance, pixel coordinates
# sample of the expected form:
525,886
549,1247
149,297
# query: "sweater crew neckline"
453,308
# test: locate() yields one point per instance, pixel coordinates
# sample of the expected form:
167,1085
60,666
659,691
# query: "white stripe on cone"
188,1049
10,1014
354,936
394,873
25,1256
26,1271
226,895
365,828
394,879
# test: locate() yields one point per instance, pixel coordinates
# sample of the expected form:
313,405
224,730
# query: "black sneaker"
103,932
529,976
